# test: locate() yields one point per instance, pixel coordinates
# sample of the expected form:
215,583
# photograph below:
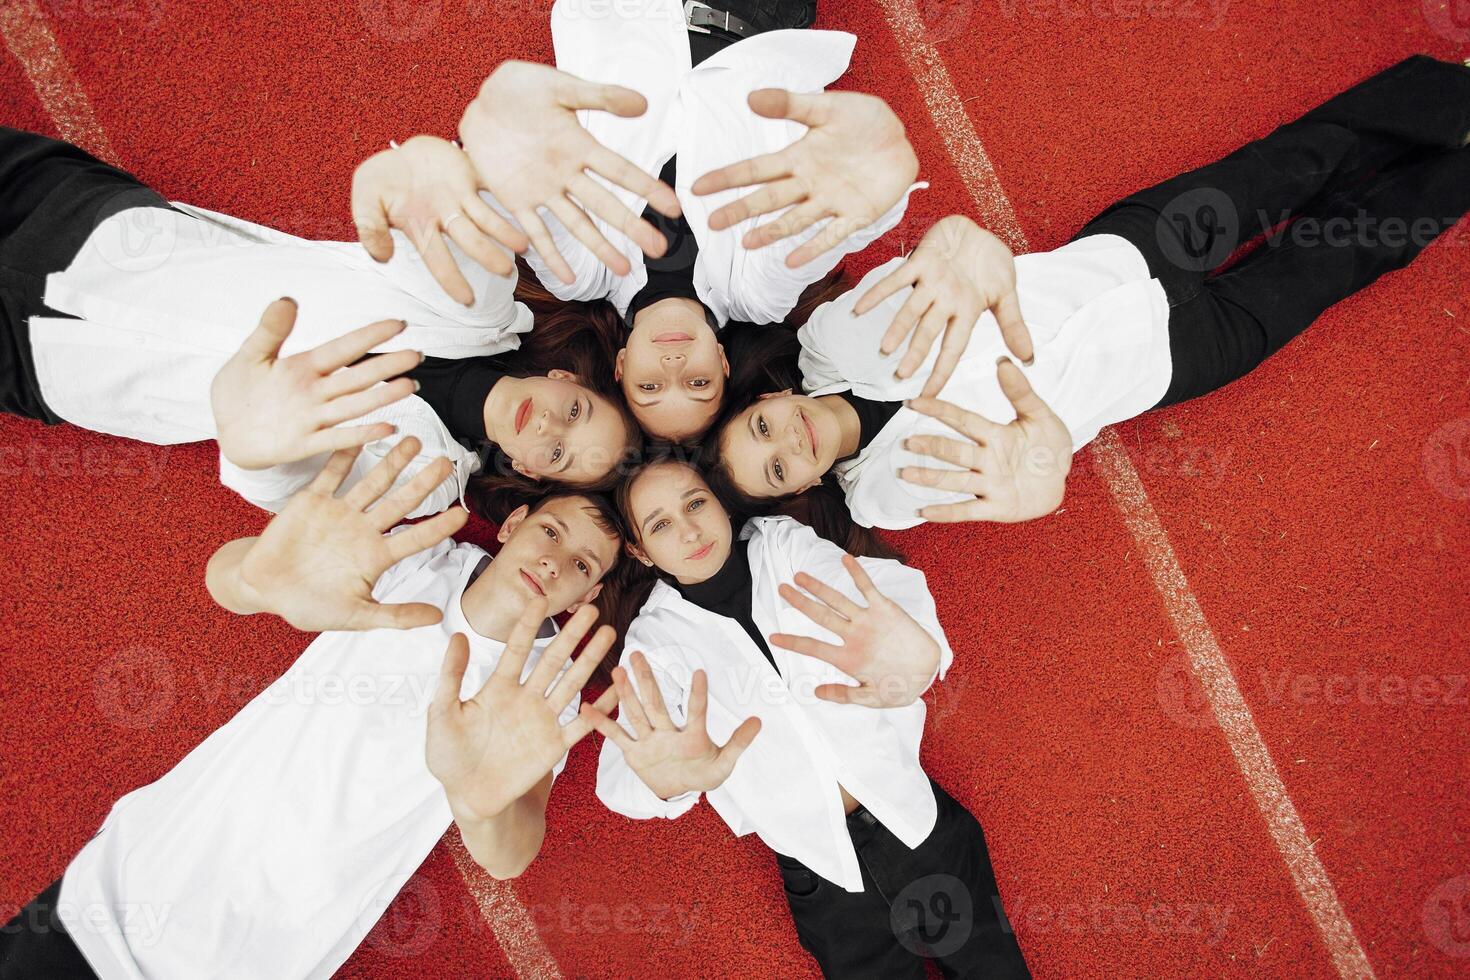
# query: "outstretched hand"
522,133
422,188
852,164
1016,471
892,658
317,561
670,760
492,749
958,271
270,409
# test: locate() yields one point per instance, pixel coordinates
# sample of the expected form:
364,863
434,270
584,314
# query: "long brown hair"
580,337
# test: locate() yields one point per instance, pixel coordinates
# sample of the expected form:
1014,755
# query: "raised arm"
316,562
495,753
852,165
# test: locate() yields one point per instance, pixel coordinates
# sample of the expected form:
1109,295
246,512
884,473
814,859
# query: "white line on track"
30,39
34,46
1205,657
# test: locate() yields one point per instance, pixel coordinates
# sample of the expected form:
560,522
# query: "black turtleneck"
456,389
729,593
872,416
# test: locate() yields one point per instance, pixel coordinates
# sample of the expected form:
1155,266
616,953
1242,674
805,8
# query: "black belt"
706,19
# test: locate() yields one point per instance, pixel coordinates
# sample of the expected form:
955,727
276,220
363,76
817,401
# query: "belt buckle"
690,6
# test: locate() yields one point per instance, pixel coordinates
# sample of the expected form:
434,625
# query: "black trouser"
1369,179
52,197
938,900
34,945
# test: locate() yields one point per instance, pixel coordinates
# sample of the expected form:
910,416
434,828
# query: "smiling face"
560,552
554,428
677,522
673,370
781,445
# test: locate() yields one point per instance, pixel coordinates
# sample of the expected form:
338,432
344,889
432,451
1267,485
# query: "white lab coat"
701,115
785,787
165,298
1100,327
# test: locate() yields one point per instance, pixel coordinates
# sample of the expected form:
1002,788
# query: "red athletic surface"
1318,509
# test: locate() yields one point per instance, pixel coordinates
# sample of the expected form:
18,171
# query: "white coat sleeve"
618,786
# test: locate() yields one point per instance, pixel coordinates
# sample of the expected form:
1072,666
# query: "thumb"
740,740
276,323
1018,391
778,103
1013,328
401,616
616,99
451,674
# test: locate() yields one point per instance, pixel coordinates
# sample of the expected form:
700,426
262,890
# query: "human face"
673,371
678,524
555,428
559,553
782,445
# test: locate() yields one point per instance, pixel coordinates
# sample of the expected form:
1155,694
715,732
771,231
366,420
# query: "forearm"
225,582
506,843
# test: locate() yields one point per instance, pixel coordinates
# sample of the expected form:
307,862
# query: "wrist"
226,580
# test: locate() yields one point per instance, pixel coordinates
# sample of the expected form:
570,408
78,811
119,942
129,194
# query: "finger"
965,510
793,222
561,649
778,103
967,424
365,374
951,349
933,323
808,646
632,708
331,439
966,455
756,170
845,607
833,234
817,612
381,476
426,534
904,321
339,464
609,699
840,693
610,729
405,499
772,197
544,245
577,93
479,247
451,675
575,220
264,342
577,675
1013,328
861,579
619,171
1019,393
905,275
351,346
596,198
522,638
492,223
955,481
371,220
653,698
355,406
740,740
441,264
694,718
397,616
